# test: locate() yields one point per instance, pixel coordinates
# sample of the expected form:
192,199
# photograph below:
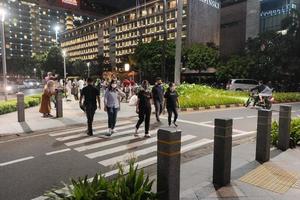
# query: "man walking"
91,95
158,98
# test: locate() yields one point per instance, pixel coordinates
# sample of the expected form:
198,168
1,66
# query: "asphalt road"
33,164
27,92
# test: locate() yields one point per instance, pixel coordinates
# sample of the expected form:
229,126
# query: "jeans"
144,115
172,110
112,116
158,108
90,112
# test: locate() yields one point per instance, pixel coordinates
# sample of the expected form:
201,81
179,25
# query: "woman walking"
143,108
172,103
112,105
45,107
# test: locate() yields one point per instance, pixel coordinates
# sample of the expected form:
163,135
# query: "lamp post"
56,28
64,54
165,28
88,68
2,16
34,71
177,72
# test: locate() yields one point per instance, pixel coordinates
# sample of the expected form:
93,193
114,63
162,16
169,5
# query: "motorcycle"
264,102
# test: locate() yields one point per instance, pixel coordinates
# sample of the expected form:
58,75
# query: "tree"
200,57
235,67
54,61
148,58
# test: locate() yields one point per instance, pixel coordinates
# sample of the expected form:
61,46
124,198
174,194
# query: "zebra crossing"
121,147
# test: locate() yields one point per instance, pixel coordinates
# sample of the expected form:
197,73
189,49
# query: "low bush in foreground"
131,186
11,105
295,131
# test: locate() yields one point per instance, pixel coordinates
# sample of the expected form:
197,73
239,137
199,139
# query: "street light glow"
64,53
127,67
56,28
2,14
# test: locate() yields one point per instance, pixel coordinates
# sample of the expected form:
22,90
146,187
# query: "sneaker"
136,133
175,124
147,135
90,133
109,132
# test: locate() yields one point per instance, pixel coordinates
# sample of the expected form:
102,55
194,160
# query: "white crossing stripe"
103,144
127,156
83,129
56,152
16,161
122,147
252,116
238,118
96,132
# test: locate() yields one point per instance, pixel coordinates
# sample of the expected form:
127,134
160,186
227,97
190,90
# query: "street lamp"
88,67
2,16
64,54
56,28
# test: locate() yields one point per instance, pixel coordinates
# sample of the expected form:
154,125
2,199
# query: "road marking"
91,139
96,133
102,144
122,147
83,129
243,134
56,152
251,116
238,118
128,155
16,161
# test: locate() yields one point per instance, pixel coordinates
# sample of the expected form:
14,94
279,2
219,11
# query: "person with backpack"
171,103
143,108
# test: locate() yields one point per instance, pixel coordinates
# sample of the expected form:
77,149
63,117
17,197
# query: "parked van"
241,84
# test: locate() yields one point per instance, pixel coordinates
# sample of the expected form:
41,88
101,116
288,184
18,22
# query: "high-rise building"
116,36
29,25
244,19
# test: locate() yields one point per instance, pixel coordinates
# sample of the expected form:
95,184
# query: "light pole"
64,54
56,28
177,72
34,70
88,67
2,15
165,28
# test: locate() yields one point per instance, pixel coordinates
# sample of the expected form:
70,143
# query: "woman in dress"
49,90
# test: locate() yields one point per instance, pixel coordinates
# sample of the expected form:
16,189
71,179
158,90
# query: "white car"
31,83
241,84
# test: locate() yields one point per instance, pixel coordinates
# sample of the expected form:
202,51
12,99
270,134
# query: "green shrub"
295,131
11,105
133,186
286,97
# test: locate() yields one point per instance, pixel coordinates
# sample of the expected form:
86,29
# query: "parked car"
241,84
31,83
11,87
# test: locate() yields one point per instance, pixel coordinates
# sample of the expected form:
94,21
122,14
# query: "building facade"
115,37
243,19
29,26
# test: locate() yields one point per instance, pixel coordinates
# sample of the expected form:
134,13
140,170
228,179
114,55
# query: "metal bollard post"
59,103
285,115
20,107
168,164
263,139
222,152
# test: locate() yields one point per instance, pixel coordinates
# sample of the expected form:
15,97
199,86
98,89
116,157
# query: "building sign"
286,9
70,2
212,3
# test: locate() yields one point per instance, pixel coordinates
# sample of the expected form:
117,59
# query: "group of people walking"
142,98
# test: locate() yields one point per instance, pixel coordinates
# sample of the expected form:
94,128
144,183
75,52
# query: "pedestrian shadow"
25,127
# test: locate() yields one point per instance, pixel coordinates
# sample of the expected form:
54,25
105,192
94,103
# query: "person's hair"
171,84
145,84
89,80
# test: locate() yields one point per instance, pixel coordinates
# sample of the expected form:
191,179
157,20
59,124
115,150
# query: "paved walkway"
196,176
72,115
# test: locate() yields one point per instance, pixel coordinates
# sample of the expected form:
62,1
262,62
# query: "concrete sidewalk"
196,176
72,115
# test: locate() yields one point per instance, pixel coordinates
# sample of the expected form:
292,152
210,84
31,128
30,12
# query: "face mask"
114,85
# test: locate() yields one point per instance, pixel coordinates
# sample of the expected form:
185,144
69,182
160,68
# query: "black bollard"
285,115
263,139
168,164
59,103
20,107
222,152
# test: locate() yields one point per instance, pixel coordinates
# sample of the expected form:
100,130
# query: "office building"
115,37
244,19
29,25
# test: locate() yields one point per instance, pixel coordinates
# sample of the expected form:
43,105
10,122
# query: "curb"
211,107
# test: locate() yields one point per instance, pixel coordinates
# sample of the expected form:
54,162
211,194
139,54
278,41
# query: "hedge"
295,131
11,105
